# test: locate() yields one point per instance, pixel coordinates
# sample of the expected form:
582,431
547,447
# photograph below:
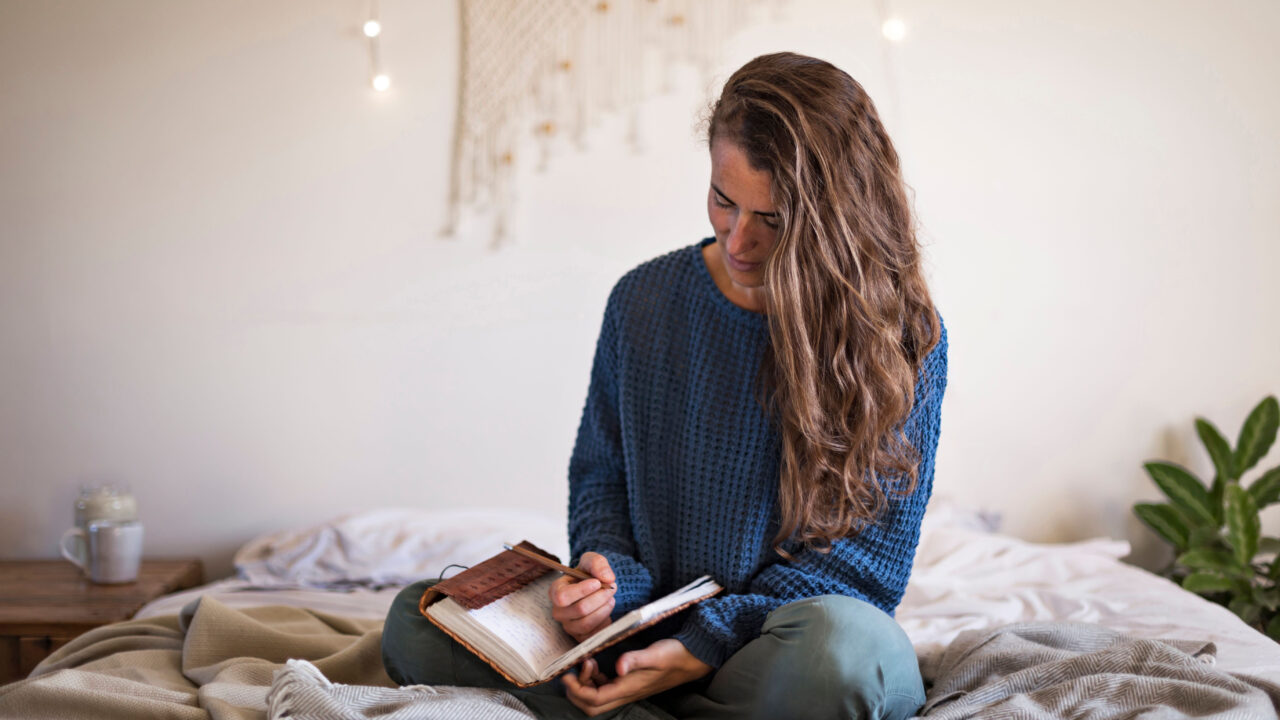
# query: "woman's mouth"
740,266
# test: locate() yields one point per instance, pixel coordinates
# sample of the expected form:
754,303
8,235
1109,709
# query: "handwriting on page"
524,620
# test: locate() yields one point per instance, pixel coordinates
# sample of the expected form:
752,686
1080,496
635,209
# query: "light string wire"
373,30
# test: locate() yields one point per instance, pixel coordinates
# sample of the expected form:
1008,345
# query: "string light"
894,29
373,31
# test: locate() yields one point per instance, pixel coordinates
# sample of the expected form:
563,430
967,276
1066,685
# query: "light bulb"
381,82
372,28
894,29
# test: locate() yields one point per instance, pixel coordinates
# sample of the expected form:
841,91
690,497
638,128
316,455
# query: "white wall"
221,280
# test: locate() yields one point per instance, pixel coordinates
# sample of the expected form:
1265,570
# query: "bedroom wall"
221,279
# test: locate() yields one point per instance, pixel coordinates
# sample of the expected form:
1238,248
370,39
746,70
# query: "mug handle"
62,546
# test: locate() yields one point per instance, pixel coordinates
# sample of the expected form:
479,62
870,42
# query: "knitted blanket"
1051,671
301,692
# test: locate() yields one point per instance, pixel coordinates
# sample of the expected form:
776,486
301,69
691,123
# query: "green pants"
823,657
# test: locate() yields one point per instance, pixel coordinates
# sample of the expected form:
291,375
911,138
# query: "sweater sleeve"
599,517
873,566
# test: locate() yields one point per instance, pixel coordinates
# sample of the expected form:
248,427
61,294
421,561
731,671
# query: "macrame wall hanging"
542,72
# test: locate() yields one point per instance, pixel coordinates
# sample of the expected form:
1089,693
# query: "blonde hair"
851,319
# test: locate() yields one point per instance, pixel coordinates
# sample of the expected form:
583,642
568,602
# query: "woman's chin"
752,280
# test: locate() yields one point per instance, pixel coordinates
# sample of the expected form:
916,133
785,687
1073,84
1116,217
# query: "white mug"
114,550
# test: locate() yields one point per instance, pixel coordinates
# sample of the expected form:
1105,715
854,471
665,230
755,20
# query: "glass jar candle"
105,502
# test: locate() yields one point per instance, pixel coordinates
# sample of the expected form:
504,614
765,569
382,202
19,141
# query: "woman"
763,408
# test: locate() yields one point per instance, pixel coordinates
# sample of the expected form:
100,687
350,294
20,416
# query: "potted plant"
1215,530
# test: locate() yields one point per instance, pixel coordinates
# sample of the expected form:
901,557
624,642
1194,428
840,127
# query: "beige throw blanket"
209,662
212,661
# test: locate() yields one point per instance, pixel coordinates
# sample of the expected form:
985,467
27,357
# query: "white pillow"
392,546
944,511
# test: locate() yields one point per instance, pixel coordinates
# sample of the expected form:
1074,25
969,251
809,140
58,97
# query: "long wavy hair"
851,319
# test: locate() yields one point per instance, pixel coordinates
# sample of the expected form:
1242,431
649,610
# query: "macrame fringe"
547,70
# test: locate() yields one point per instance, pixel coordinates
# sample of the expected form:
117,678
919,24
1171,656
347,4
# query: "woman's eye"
721,204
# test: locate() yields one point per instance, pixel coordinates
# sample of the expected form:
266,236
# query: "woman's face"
742,214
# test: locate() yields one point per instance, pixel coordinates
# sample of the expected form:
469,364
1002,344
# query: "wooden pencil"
571,572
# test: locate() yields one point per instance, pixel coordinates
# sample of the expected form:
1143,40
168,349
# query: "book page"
517,633
698,589
454,617
523,621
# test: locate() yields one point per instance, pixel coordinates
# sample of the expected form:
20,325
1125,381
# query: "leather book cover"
505,573
496,577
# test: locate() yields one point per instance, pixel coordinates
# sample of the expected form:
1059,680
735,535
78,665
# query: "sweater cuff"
703,645
634,582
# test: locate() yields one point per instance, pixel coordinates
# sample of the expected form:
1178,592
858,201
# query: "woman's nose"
739,238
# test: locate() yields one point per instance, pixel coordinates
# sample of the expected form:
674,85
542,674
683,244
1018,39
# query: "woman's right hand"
582,606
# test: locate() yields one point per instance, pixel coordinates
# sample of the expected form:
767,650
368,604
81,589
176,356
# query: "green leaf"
1245,608
1273,628
1243,527
1218,449
1206,537
1166,521
1187,493
1266,489
1203,582
1216,499
1268,598
1206,559
1257,434
1274,572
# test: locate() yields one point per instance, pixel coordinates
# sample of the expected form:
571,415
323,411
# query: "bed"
296,632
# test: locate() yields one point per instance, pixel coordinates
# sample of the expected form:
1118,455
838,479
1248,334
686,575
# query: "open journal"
501,611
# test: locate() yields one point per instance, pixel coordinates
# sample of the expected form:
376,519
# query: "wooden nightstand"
46,603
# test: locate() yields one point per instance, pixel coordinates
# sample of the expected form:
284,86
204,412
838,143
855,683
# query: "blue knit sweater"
675,470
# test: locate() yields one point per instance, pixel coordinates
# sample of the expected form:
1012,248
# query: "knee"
403,633
404,609
846,655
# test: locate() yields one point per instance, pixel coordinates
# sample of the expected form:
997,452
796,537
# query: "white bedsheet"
235,593
391,546
964,578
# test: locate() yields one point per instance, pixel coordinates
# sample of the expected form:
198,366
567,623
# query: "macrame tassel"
552,68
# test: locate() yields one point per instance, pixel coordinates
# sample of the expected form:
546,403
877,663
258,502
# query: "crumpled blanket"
209,661
212,662
1051,671
389,546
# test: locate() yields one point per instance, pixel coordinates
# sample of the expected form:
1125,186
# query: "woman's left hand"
641,673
